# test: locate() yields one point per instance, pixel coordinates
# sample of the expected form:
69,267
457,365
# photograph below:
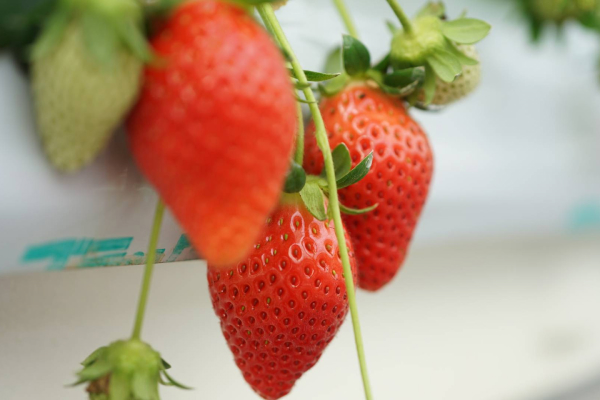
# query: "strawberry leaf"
355,211
466,30
357,59
445,64
313,198
357,173
295,179
165,364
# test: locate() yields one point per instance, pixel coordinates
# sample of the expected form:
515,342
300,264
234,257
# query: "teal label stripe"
87,252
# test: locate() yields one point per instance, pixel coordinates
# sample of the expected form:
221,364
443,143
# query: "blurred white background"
498,299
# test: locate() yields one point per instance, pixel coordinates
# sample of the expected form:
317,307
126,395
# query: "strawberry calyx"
355,60
314,190
125,369
108,27
430,41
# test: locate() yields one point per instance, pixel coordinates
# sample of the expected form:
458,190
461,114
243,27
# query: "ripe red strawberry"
214,127
282,305
366,120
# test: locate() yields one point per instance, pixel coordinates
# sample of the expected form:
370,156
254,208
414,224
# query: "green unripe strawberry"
125,370
411,49
463,85
86,70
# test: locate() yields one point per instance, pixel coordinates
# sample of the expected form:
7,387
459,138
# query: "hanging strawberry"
214,127
364,109
86,69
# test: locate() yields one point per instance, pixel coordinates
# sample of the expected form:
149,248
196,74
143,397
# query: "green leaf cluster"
315,189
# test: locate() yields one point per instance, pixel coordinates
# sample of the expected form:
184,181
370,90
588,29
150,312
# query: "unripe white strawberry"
78,101
463,85
85,76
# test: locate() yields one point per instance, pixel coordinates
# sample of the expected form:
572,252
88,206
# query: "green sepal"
303,101
428,85
120,387
378,78
404,77
314,200
357,59
462,57
392,27
357,173
342,163
334,86
433,9
466,30
355,211
134,39
333,62
445,64
94,356
295,179
101,39
383,65
301,86
173,382
107,27
95,370
165,364
144,386
313,76
52,32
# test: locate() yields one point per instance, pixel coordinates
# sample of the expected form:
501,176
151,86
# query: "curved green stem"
267,14
346,17
299,155
150,257
404,20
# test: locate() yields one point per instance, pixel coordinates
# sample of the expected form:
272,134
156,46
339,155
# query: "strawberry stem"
266,12
150,257
346,17
404,20
299,155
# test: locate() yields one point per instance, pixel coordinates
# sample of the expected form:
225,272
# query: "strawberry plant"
215,125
